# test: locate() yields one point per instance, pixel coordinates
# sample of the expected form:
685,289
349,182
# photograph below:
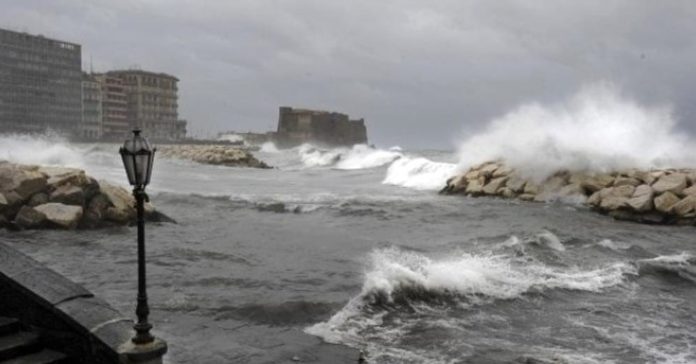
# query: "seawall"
664,196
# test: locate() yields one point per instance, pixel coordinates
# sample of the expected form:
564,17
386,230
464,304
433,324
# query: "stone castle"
297,126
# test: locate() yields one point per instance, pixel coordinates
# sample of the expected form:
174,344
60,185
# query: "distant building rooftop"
145,73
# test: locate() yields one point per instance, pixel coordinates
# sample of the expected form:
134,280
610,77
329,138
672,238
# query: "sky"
422,73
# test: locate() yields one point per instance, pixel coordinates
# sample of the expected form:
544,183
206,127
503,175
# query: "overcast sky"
422,73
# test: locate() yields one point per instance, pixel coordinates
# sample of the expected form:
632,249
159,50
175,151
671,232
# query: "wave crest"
358,157
419,173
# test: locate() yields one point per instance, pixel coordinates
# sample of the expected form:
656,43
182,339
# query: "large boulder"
13,202
665,201
614,198
456,184
25,181
69,195
95,214
686,207
29,218
488,169
516,183
642,199
494,185
60,176
674,183
475,187
502,171
122,203
691,191
38,199
622,181
61,215
597,182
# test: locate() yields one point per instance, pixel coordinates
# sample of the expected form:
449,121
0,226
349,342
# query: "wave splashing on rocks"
596,130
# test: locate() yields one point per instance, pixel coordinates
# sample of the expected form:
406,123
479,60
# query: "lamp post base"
150,353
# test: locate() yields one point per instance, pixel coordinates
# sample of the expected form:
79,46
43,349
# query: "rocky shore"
665,196
35,197
225,155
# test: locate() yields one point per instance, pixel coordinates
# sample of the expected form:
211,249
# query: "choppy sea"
355,247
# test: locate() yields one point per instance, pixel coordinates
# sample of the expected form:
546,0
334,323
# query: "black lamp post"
137,159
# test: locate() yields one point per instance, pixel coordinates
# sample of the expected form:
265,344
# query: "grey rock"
122,209
674,183
623,181
38,199
685,207
597,182
665,201
691,191
25,181
29,218
516,183
494,185
475,187
61,215
69,195
95,213
642,199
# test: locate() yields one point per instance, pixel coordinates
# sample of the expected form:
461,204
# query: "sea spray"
595,130
269,147
47,149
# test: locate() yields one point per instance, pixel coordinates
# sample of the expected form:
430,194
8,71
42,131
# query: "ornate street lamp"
137,159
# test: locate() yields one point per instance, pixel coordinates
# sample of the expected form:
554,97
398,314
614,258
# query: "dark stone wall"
69,318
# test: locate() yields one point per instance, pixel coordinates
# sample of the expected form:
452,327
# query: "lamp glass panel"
129,165
141,167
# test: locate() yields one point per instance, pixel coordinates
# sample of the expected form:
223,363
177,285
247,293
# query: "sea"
354,247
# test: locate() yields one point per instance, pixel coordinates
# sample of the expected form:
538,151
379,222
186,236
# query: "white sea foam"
550,240
419,173
613,245
596,130
40,149
232,137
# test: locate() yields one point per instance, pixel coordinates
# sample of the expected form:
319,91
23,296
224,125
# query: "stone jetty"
34,197
225,155
665,196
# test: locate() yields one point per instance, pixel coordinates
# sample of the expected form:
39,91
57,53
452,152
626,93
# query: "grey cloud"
421,73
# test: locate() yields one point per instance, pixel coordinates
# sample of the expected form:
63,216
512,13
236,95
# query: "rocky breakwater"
33,197
212,154
656,196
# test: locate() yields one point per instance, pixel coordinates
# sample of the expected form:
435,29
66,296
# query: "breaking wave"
682,265
596,130
398,278
419,173
358,157
41,150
